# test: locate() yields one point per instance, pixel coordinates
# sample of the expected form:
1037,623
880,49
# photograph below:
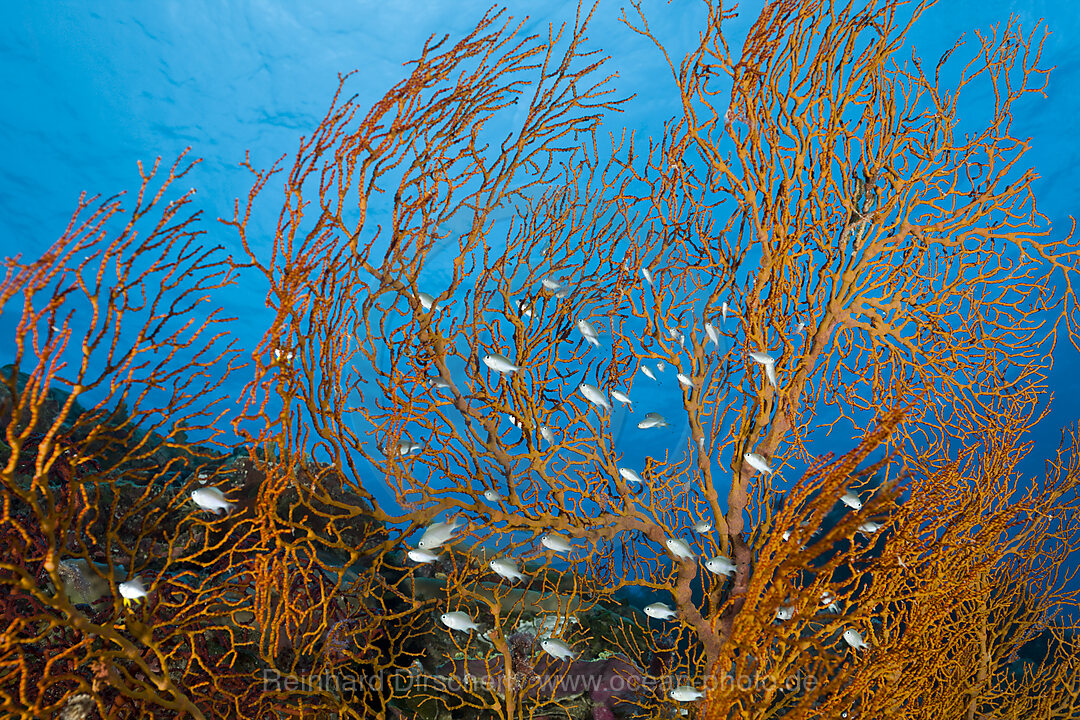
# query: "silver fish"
556,543
593,395
404,447
647,274
507,568
770,373
660,611
562,293
132,590
703,527
851,499
786,612
493,496
427,301
869,527
546,433
557,649
710,330
212,499
524,308
720,565
438,382
422,556
500,364
724,311
660,365
684,381
550,284
763,358
652,420
854,639
588,332
648,373
679,549
757,463
630,475
622,397
437,534
685,693
458,620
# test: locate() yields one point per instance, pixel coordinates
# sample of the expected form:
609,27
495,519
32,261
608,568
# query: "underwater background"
92,89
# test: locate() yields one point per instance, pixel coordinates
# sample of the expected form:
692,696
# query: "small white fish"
422,556
630,475
684,381
763,358
647,274
556,543
133,590
828,599
757,463
562,293
720,565
703,527
851,499
770,373
437,534
800,327
546,433
493,496
869,527
713,334
438,382
404,447
593,395
458,620
854,639
660,611
648,373
660,365
557,649
622,397
550,284
679,549
588,332
652,420
500,364
427,301
515,422
507,568
212,499
524,308
786,612
724,311
685,693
